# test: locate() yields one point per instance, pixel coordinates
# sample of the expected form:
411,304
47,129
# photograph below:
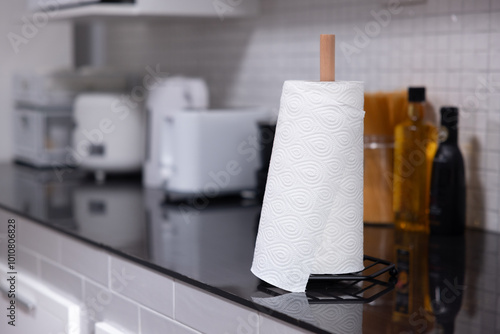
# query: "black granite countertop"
448,281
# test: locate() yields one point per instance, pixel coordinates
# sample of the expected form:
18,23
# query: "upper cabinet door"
88,9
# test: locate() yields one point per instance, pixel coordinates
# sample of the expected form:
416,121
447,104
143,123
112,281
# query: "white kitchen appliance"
197,151
42,137
171,96
109,136
42,118
43,115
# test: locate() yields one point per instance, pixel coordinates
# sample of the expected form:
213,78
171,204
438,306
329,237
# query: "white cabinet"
105,328
83,9
38,309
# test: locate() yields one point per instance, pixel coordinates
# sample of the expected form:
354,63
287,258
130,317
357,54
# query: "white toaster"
197,151
208,153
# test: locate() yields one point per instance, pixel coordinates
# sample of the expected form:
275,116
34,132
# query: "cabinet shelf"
156,9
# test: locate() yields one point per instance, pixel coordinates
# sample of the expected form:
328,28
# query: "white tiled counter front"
129,297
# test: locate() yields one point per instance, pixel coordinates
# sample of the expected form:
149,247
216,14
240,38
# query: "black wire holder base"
376,279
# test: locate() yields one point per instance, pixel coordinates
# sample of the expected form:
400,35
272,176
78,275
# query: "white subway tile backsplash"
494,102
495,4
454,85
481,121
495,41
430,63
469,83
476,22
492,223
402,26
437,7
103,305
455,6
455,22
495,19
61,279
155,323
493,163
493,140
27,261
480,42
493,178
148,288
86,260
211,314
40,239
456,42
492,200
493,121
418,61
476,5
430,24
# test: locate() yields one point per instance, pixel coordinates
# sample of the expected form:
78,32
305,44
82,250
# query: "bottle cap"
449,116
416,94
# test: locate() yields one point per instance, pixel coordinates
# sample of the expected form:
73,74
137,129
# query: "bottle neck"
416,110
452,135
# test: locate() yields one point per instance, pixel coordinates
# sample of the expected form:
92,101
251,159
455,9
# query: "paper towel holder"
325,289
327,58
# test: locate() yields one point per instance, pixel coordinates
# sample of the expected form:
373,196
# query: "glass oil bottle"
415,146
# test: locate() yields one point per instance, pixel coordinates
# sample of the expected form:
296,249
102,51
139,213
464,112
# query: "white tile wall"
39,239
450,46
27,261
88,261
150,289
155,323
197,309
105,305
62,279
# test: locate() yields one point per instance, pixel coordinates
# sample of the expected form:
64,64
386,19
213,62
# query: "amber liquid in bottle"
412,312
415,146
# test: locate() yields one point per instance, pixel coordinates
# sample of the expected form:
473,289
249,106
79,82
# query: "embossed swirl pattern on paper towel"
312,216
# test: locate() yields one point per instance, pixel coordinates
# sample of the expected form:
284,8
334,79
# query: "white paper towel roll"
312,216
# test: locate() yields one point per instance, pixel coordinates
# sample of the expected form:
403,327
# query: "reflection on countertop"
446,284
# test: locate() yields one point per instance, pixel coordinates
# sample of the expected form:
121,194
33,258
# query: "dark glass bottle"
448,193
446,279
267,132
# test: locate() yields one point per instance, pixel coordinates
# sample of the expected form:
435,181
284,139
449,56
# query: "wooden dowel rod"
327,58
